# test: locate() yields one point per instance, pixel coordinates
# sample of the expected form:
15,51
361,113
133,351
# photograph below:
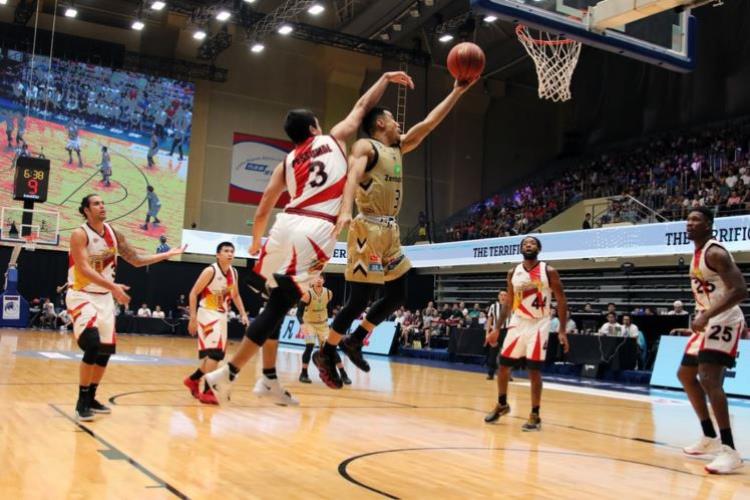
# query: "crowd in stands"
96,95
668,173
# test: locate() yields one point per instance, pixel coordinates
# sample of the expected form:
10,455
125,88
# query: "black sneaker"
345,379
304,378
97,407
496,413
533,424
84,414
353,349
327,370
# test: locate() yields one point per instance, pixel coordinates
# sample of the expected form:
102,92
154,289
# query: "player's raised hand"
177,251
464,85
399,78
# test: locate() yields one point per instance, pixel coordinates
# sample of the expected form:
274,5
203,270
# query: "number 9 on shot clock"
31,179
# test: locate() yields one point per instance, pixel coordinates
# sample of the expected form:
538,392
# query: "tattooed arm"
135,259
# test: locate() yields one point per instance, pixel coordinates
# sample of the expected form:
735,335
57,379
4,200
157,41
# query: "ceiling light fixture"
223,15
257,48
285,29
158,5
316,9
446,38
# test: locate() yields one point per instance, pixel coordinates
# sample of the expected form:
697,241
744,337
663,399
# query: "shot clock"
32,179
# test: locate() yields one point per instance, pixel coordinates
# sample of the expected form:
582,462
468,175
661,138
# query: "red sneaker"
193,386
208,398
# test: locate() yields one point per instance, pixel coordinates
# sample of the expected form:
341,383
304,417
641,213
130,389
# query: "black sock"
502,399
92,391
726,437
342,371
535,410
360,334
329,349
233,371
197,375
83,395
304,372
708,428
270,373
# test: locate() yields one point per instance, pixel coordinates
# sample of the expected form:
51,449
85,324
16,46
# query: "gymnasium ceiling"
410,24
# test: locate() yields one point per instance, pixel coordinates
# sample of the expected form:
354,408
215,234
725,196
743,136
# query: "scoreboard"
31,179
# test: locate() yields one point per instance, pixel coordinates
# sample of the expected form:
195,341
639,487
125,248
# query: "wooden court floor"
403,431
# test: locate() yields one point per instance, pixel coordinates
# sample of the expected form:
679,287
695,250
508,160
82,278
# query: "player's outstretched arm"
555,283
271,195
360,156
347,128
720,260
78,243
415,135
132,257
202,282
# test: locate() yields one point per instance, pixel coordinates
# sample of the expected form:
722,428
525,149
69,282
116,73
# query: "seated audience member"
144,311
628,328
611,328
611,308
677,309
429,310
49,316
587,308
182,306
158,313
554,325
65,320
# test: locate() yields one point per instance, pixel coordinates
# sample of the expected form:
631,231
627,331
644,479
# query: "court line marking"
114,450
343,466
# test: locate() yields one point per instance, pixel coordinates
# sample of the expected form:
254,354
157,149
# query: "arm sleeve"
301,311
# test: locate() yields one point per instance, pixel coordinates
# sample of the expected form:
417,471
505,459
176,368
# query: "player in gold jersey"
374,255
312,314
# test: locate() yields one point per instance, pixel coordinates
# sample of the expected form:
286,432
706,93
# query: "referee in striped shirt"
493,315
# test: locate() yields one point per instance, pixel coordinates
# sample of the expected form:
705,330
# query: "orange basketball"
466,61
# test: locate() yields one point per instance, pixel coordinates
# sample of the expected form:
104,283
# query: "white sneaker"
727,461
706,446
268,388
218,381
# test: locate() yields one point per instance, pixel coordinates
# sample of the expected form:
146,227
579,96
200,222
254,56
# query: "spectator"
628,328
144,311
182,306
474,314
677,309
587,308
611,328
65,320
163,247
611,309
49,316
430,309
158,313
554,325
586,222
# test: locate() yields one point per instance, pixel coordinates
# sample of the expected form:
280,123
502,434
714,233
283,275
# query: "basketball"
466,61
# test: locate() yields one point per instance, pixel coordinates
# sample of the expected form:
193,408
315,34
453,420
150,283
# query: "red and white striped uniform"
301,240
213,307
723,332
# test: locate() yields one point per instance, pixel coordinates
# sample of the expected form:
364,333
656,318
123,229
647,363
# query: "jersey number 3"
318,169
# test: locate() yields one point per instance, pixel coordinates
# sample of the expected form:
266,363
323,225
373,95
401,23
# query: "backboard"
664,38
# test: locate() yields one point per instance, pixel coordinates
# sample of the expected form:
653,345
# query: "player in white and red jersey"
302,239
530,288
91,289
210,300
718,288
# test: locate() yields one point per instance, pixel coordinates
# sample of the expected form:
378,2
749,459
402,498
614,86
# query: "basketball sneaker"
727,461
496,413
84,414
221,386
97,407
534,423
305,378
706,446
193,386
271,388
353,349
327,370
208,398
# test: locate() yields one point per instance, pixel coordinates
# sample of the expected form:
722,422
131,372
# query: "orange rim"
521,33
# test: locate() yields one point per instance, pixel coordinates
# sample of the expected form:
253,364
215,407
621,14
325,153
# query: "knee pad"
355,304
102,360
89,342
289,288
215,354
268,323
394,297
307,354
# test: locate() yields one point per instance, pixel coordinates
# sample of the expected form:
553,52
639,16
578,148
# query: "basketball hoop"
555,58
30,244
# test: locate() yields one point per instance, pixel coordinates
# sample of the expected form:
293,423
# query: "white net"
555,58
